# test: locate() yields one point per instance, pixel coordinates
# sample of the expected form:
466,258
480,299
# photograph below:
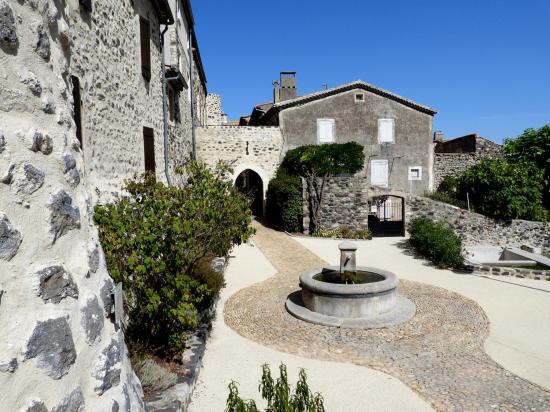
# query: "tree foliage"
316,163
284,205
533,146
159,241
504,190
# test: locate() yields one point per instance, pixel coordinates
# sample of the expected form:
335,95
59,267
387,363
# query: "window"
379,173
77,108
325,130
359,97
386,131
145,39
149,149
415,173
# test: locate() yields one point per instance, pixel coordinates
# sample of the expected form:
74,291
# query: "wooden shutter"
149,149
325,130
385,131
379,173
77,108
145,39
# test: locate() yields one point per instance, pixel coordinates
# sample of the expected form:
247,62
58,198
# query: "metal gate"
386,216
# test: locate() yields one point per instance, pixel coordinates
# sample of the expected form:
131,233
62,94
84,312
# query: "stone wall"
60,348
346,204
215,115
476,229
243,147
454,160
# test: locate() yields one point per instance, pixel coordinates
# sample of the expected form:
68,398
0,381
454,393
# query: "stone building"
396,132
81,109
452,157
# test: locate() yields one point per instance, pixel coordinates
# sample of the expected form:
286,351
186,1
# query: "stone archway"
250,183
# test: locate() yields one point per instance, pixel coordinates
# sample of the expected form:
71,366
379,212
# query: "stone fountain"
349,295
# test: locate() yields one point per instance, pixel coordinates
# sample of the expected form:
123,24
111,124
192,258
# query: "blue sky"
484,65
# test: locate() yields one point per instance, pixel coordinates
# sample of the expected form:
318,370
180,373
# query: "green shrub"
159,241
436,241
343,232
284,206
448,185
504,190
278,395
533,146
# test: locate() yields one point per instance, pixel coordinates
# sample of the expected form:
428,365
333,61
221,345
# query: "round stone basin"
373,295
371,302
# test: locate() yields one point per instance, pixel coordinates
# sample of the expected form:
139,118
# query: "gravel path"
439,353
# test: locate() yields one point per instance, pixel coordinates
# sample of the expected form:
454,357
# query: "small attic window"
359,97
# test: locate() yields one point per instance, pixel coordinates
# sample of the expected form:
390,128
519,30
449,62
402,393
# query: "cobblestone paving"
439,353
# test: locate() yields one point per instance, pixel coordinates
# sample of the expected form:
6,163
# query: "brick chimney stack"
439,136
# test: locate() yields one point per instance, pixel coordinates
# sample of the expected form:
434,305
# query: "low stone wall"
476,229
514,272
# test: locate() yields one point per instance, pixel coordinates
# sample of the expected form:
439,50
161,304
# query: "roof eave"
355,85
165,14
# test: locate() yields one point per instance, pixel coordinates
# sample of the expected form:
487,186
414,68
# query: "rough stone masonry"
59,350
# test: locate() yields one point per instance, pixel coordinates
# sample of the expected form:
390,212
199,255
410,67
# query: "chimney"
285,89
439,136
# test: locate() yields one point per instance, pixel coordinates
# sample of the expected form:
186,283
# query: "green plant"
448,185
436,241
278,394
504,190
159,241
317,163
284,201
533,146
343,232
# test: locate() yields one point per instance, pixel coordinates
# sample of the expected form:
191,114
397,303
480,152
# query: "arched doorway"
386,216
250,184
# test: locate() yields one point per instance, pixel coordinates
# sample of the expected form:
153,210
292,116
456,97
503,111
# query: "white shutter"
325,130
379,173
385,131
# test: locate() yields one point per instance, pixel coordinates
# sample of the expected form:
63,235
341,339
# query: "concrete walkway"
228,356
518,309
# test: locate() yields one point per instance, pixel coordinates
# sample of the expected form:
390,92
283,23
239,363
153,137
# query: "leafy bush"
317,163
278,395
159,241
284,202
533,146
505,190
436,241
343,232
448,185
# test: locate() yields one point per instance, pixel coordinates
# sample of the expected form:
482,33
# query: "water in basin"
346,278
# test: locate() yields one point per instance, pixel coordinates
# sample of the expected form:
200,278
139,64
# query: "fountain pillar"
347,257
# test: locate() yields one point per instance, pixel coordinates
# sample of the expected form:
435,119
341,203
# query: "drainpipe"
164,106
194,148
